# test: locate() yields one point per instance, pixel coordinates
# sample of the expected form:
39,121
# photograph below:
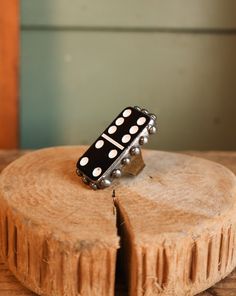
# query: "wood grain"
178,225
11,286
9,62
61,230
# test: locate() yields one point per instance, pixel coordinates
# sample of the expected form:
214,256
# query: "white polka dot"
127,113
120,121
133,129
84,161
141,120
126,138
97,172
112,129
112,153
99,144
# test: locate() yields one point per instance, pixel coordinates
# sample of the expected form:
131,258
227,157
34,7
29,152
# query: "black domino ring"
115,149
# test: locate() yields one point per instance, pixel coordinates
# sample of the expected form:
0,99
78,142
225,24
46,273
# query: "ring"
117,150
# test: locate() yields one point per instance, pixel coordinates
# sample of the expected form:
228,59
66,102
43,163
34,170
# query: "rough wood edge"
152,270
47,266
225,287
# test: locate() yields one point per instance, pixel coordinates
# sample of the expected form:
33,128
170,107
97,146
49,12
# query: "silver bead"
143,140
137,108
153,116
78,173
152,130
151,122
135,151
93,186
126,161
85,180
145,111
116,173
105,183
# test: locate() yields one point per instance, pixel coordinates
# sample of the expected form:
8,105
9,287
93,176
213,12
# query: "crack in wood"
165,269
229,236
144,268
79,275
209,258
6,237
28,258
12,239
193,263
15,245
220,250
44,265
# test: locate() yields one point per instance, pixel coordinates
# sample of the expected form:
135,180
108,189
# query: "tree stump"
176,221
58,237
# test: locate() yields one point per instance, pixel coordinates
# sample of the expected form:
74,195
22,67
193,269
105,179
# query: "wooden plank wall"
156,14
82,61
9,52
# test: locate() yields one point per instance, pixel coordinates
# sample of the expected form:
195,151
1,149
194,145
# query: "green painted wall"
81,63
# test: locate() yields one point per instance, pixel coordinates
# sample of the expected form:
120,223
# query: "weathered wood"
226,158
10,286
7,156
57,236
177,225
9,53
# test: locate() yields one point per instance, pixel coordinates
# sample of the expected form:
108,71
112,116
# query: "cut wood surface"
10,286
178,225
57,236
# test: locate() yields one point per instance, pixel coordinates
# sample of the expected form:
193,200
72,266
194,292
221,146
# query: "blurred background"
82,62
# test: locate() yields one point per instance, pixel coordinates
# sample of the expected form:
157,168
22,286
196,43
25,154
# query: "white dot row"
125,139
119,121
84,161
133,130
97,171
127,113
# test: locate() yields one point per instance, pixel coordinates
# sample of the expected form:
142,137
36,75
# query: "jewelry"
117,150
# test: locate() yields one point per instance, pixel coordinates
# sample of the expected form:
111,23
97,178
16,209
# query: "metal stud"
151,122
137,108
116,173
105,183
143,140
93,186
126,161
79,173
135,151
152,130
85,180
153,116
145,111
